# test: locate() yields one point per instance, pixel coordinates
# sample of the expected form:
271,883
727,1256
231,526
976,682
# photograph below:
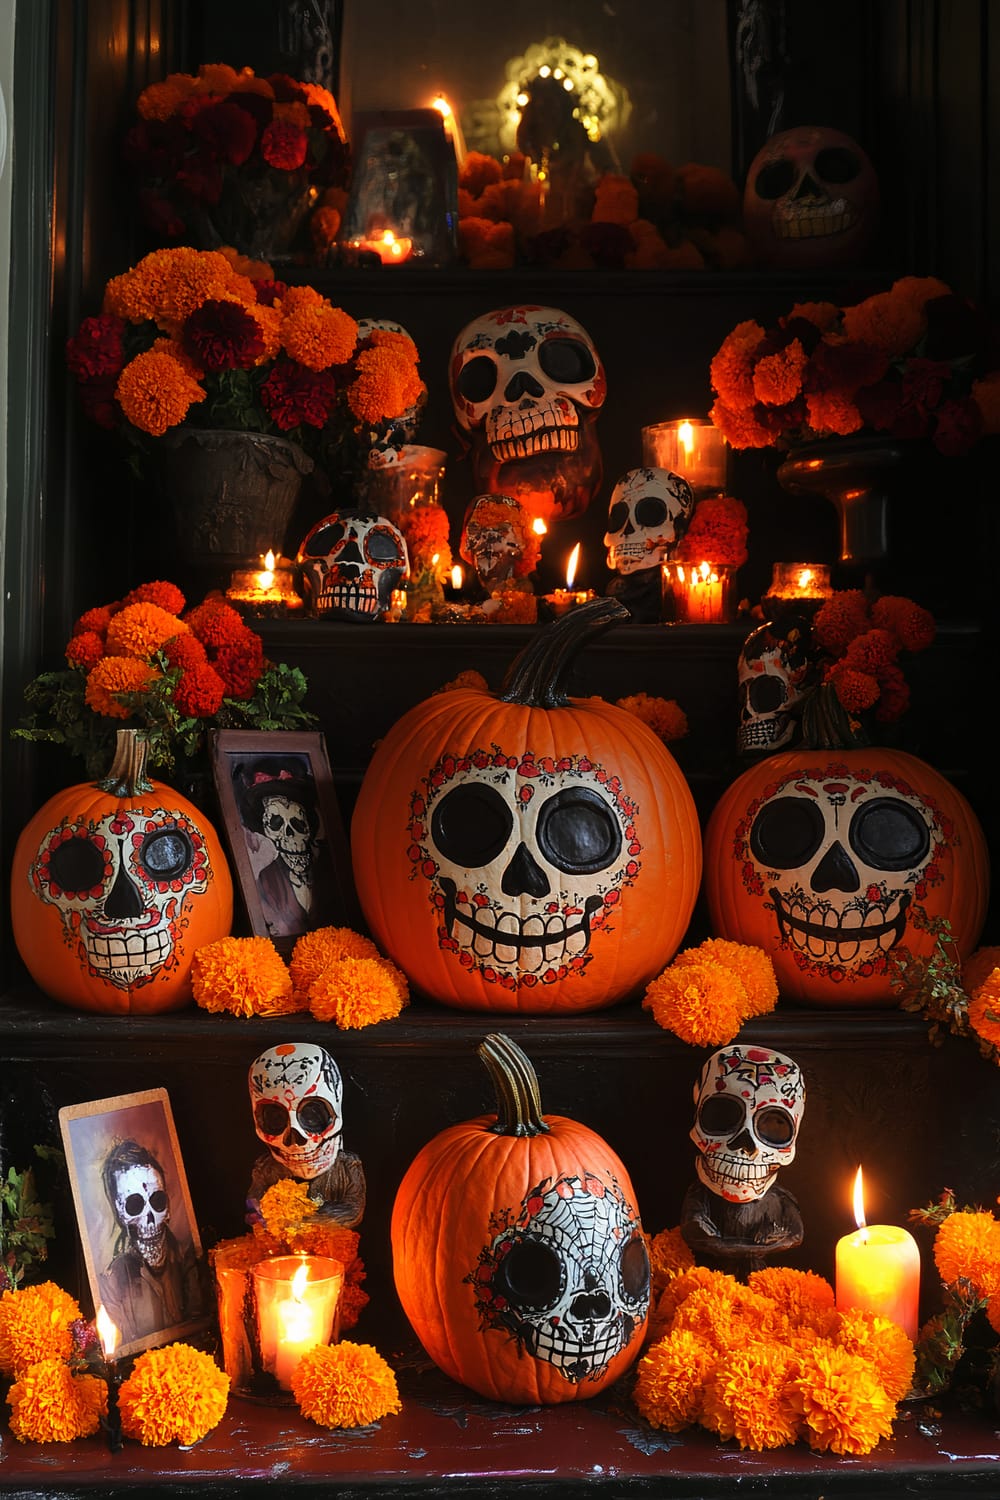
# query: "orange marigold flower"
199,691
386,385
49,1404
35,1325
739,428
895,320
243,1252
315,951
681,1286
884,1344
669,1255
85,650
978,967
216,623
968,1244
699,1001
159,101
345,1385
984,1011
802,1296
113,675
177,351
184,651
356,992
873,651
749,1397
155,393
912,625
777,378
731,371
140,630
252,270
729,1317
855,690
96,620
664,716
478,171
176,1394
616,200
842,1404
286,1206
166,595
751,964
832,413
246,976
825,315
318,335
672,1378
839,619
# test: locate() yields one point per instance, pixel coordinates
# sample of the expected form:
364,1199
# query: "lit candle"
390,248
109,1337
560,601
452,128
878,1269
297,1299
693,448
795,581
268,590
701,593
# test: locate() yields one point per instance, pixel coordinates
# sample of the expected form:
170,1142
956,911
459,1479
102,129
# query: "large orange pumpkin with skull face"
526,851
115,884
830,860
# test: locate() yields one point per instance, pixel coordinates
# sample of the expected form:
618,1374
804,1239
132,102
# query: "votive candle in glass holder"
297,1298
796,583
699,593
691,447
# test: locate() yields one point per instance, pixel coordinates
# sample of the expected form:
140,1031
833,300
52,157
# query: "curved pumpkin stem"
826,724
127,776
515,1084
537,677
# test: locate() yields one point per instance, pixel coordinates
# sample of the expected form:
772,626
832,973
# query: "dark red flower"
97,347
879,404
157,147
199,691
260,110
284,145
286,89
291,395
97,401
223,336
844,367
959,427
241,666
226,130
270,292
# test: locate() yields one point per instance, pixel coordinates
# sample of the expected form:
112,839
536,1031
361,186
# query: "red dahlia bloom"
200,691
223,336
292,395
228,130
284,145
97,348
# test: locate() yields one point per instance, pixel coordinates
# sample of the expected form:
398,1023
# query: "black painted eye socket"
167,854
617,516
530,1275
837,164
577,832
774,1127
775,179
635,1269
890,835
651,511
765,694
316,1116
271,1118
136,1202
77,865
721,1114
567,360
381,546
786,833
323,543
478,379
471,825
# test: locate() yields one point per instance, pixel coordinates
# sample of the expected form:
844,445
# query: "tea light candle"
390,248
878,1269
269,590
793,581
691,447
110,1338
561,601
297,1298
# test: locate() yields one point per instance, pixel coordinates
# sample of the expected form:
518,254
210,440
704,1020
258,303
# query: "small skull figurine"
496,539
296,1094
749,1103
351,562
526,385
647,516
772,673
811,199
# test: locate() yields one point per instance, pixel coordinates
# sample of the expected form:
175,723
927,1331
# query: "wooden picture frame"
144,1259
292,878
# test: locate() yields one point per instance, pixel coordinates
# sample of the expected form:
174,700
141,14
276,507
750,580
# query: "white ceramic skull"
143,1210
748,1108
811,198
296,1094
121,884
569,1279
493,538
771,672
648,514
351,563
526,385
527,861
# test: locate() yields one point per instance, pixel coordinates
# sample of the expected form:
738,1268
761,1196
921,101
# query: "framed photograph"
140,1240
284,830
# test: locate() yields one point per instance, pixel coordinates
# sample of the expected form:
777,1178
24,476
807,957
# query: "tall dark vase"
856,475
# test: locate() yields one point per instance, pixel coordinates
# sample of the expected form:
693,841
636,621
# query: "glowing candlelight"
539,527
110,1338
800,581
878,1269
572,565
701,593
691,447
457,578
452,128
391,249
297,1299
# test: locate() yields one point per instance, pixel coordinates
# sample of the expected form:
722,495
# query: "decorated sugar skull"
387,449
568,1279
647,516
771,673
136,1189
811,199
296,1094
497,540
527,384
351,562
748,1109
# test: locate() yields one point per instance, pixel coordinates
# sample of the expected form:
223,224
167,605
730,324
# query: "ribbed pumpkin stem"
826,724
515,1084
127,777
537,677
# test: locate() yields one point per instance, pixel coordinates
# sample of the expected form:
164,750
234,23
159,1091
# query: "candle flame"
571,566
685,436
442,106
269,561
538,526
805,578
299,1282
435,559
457,578
859,1204
106,1332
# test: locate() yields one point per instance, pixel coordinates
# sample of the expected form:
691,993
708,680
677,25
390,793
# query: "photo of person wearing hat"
280,813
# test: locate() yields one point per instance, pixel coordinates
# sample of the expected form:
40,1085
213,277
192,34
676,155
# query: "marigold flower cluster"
655,217
916,361
717,533
206,339
664,716
340,976
345,1385
772,1362
200,137
860,644
49,1401
706,994
172,1395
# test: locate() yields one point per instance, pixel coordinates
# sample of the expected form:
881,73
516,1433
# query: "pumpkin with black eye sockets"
114,886
524,850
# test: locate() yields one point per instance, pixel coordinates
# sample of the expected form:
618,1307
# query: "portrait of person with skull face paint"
137,1226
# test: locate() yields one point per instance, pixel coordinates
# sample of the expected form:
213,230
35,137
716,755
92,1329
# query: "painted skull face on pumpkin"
121,884
568,1277
527,860
840,856
811,198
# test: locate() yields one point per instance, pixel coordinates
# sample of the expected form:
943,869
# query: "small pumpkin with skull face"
517,1249
811,199
351,562
115,885
527,851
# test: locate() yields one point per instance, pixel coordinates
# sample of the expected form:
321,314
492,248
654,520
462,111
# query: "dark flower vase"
855,475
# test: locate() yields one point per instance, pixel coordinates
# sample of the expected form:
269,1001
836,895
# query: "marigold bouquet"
959,1348
916,361
222,152
204,338
172,672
